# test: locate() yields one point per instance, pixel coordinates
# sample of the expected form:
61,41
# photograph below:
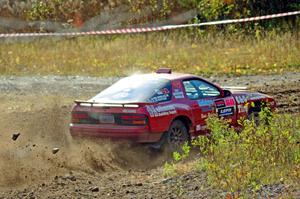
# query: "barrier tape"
149,29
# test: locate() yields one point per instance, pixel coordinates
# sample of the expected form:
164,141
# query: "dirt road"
39,109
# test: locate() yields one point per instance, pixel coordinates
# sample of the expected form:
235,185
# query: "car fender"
162,115
183,111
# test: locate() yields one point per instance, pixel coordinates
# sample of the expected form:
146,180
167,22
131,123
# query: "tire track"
287,96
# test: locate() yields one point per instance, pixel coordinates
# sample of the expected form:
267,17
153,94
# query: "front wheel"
254,116
177,135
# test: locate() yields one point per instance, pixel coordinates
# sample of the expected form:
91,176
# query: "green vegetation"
258,155
269,46
218,54
170,169
157,10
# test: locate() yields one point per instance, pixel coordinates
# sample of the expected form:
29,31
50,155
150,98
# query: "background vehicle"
161,108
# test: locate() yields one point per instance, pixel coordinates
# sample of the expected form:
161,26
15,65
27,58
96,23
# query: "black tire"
176,136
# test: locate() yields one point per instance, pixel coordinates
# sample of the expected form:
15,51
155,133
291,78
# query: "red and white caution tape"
150,29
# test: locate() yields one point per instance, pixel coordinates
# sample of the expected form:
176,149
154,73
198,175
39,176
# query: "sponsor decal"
182,106
227,111
178,94
160,95
158,111
220,103
201,128
206,108
255,96
229,102
242,108
241,99
206,104
159,98
177,84
164,108
165,91
158,92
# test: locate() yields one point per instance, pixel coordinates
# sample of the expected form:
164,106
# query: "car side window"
190,90
162,94
196,89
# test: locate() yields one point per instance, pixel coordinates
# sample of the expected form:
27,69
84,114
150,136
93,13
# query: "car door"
207,99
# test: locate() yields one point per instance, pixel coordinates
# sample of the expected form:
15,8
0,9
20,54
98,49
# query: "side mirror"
227,93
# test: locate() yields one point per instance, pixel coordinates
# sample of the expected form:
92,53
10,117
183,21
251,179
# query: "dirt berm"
39,109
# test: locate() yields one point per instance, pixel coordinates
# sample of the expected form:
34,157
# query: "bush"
63,10
259,155
171,169
82,10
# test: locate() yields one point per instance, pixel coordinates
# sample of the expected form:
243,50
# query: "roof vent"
164,70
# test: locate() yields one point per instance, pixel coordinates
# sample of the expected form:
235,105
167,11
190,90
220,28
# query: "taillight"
78,116
133,119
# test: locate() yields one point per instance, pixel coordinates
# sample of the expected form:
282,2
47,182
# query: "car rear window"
136,88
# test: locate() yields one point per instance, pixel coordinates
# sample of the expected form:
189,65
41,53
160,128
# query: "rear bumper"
139,134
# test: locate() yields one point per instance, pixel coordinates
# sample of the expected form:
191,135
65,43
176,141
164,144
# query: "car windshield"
136,88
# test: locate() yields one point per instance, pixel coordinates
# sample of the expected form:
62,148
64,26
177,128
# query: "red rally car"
161,108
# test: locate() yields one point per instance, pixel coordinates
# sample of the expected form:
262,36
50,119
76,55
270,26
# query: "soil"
39,109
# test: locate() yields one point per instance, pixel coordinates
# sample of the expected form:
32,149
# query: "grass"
243,163
122,55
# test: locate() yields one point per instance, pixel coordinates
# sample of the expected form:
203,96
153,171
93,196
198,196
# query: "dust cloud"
29,159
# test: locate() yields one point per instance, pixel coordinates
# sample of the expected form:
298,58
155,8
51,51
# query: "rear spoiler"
97,104
235,88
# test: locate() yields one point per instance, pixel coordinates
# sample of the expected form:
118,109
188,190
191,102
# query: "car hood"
244,91
248,96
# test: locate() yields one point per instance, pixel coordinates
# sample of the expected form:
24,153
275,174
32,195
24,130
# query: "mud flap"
159,145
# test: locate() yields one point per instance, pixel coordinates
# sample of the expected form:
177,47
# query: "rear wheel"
177,135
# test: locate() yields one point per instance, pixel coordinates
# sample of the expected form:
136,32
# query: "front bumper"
139,134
